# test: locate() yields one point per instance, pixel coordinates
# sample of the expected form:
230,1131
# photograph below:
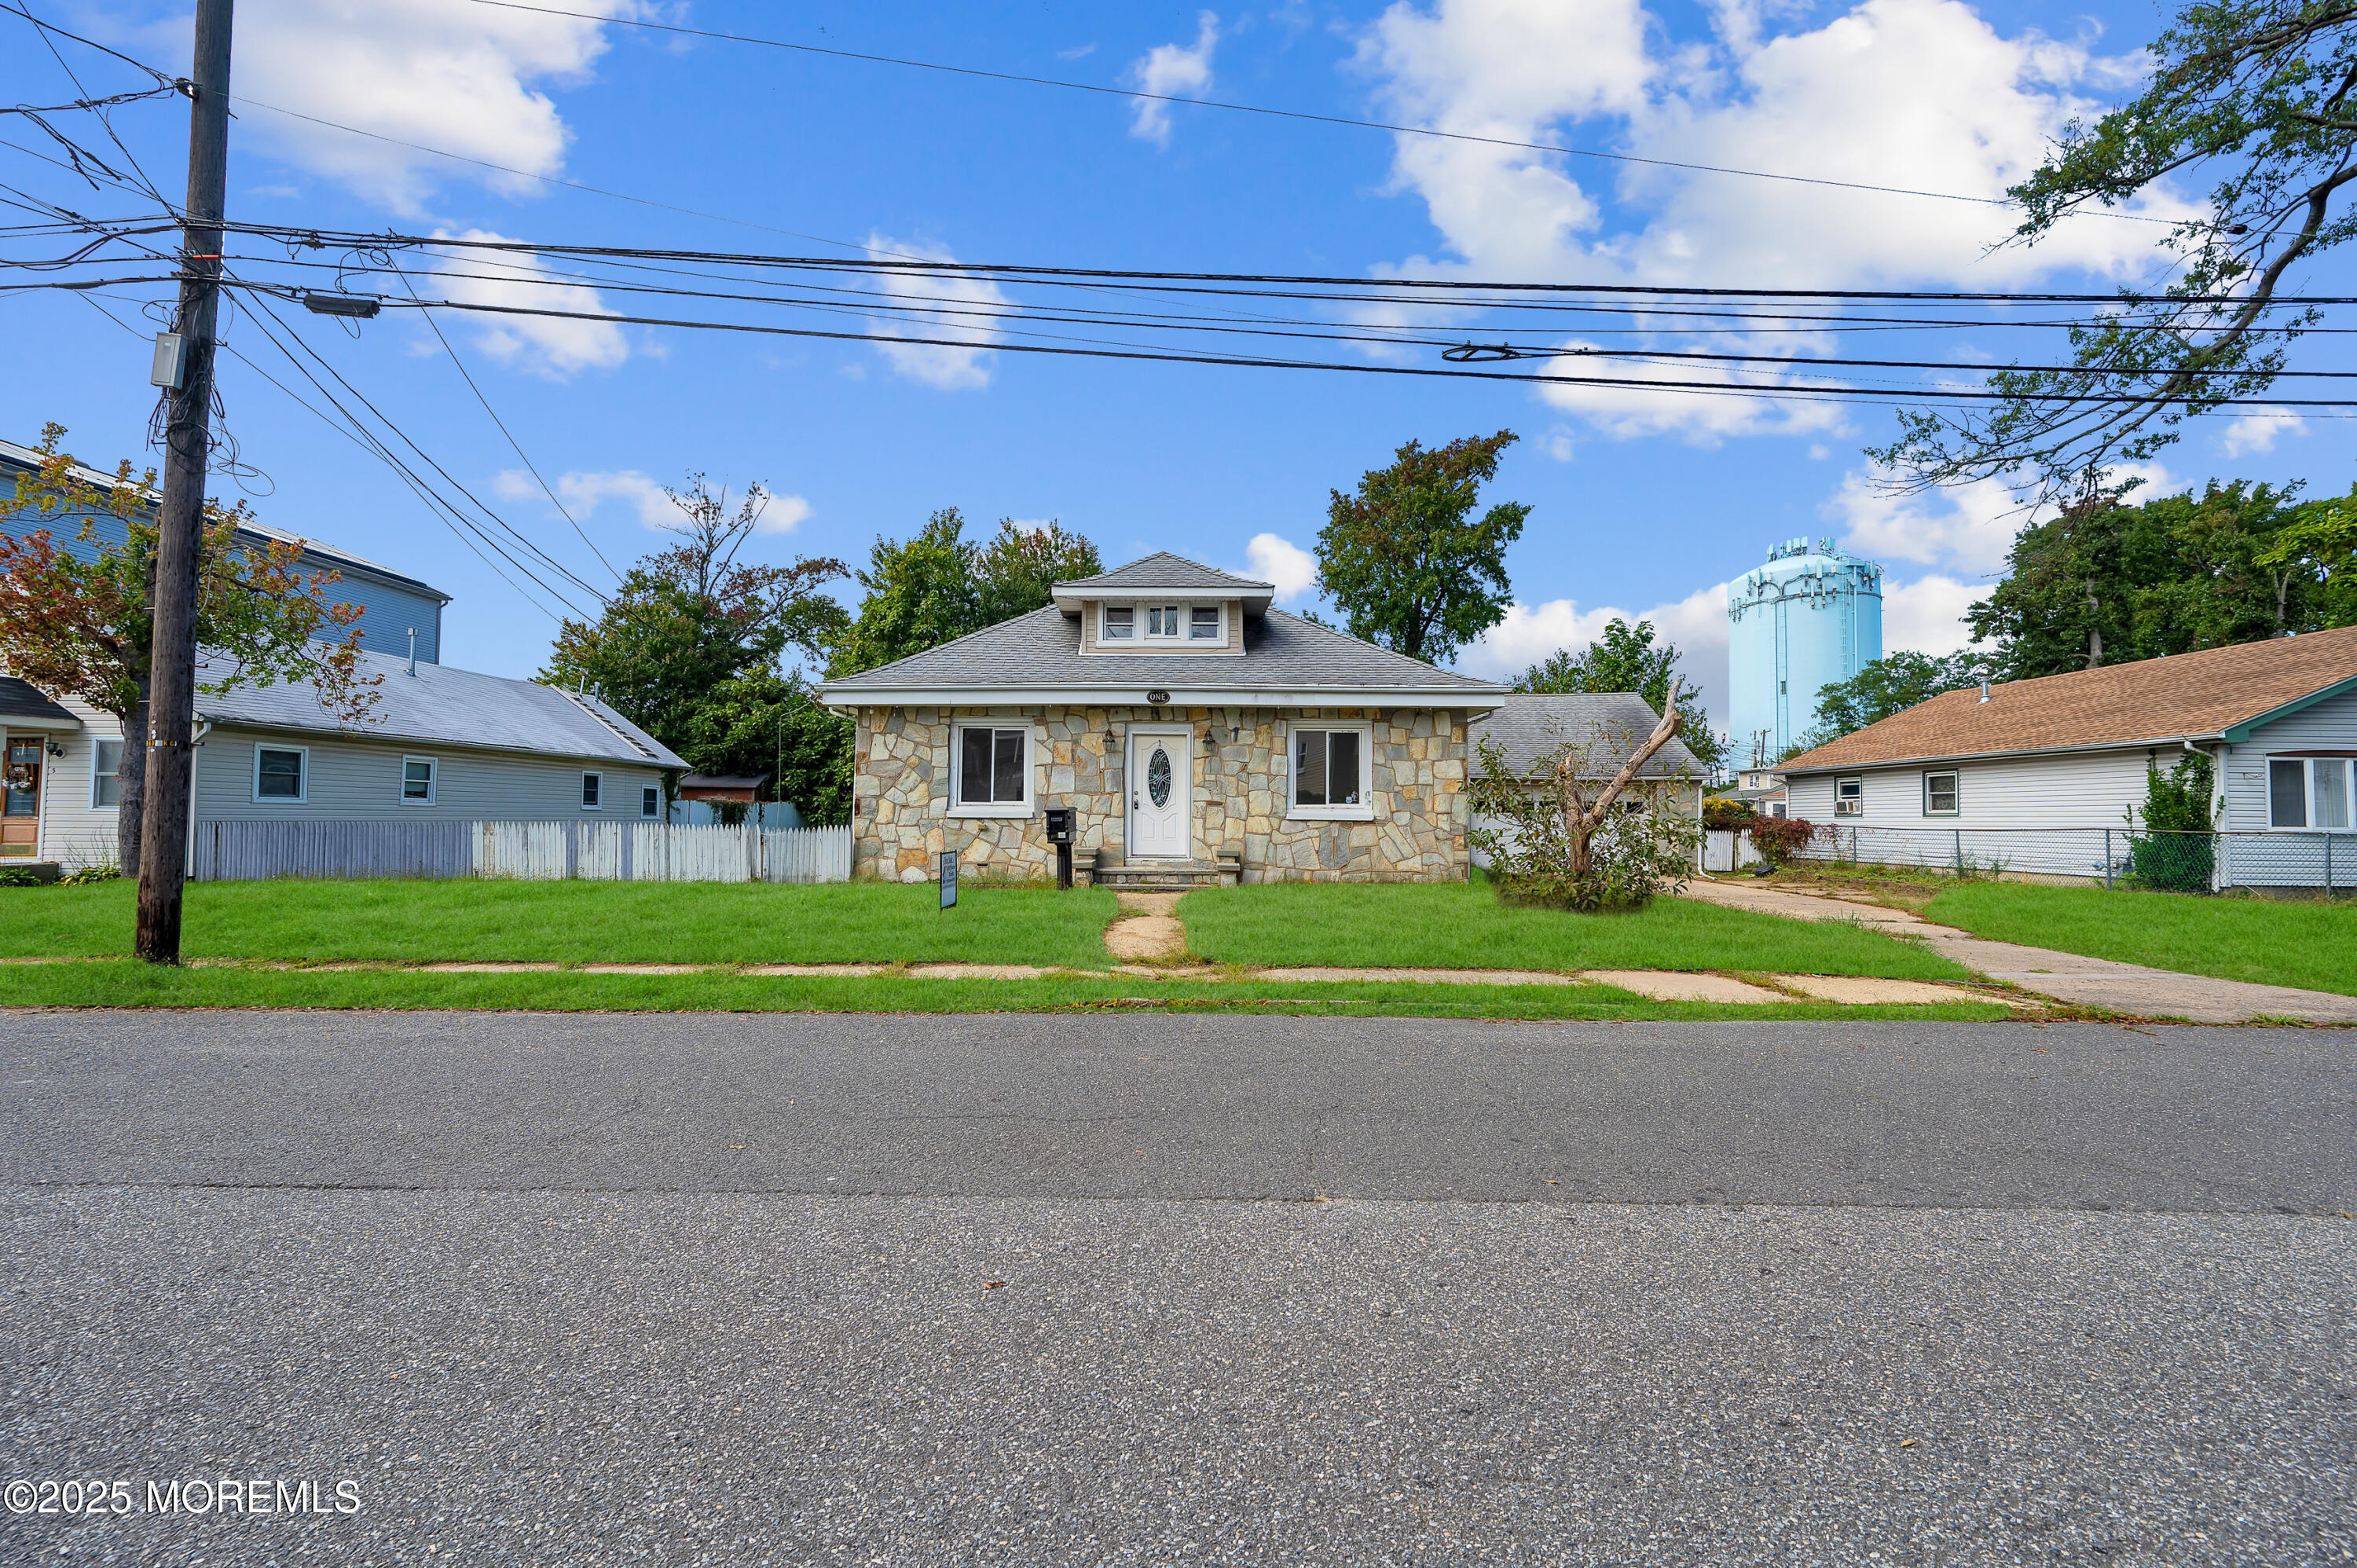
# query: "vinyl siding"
356,779
2330,725
73,833
2078,790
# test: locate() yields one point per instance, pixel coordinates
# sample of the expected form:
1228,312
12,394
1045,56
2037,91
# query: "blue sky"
1641,504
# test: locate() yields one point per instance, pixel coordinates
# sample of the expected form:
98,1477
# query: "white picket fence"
228,850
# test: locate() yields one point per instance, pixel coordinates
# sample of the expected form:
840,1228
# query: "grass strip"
2312,946
127,984
1455,925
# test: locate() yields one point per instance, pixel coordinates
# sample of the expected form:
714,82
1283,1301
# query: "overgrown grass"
126,983
1460,926
2312,946
576,922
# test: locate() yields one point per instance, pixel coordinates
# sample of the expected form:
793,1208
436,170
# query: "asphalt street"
1014,1289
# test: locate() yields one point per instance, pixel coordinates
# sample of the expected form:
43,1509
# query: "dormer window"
1162,620
1204,623
1120,623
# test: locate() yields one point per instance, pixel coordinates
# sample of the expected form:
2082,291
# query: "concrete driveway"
612,1289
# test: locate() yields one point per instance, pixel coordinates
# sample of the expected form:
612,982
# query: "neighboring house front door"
20,806
1160,810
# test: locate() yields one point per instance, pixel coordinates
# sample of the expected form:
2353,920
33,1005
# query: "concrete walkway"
2074,977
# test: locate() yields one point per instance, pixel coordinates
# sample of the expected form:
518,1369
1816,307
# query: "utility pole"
172,665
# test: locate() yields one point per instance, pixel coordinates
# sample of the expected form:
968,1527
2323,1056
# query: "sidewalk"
2067,977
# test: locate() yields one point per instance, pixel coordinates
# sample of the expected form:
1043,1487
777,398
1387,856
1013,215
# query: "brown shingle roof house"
2277,720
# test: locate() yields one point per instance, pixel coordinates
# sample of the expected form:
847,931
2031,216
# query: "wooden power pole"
172,695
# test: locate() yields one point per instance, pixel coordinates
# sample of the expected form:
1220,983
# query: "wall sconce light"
55,749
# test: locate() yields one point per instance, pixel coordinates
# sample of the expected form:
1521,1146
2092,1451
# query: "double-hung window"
282,773
650,800
1120,623
1203,624
1329,773
1940,794
593,785
417,781
994,771
1162,620
1849,797
105,770
2310,793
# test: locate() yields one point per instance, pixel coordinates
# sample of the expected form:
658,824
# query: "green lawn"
2310,945
1454,925
576,922
126,983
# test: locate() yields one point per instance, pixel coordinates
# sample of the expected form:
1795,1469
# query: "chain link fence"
2113,858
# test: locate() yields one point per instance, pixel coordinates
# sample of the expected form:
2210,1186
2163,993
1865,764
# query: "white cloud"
1967,529
2257,432
1173,70
465,79
1696,624
934,303
1927,614
1704,418
583,492
1916,94
553,347
1283,564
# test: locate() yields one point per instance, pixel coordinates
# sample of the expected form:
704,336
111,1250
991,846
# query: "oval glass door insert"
1158,777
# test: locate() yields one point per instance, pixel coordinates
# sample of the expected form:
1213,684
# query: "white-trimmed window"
281,774
2311,792
1120,623
650,800
1327,772
592,787
1204,623
105,774
1849,797
992,763
418,777
1940,794
1163,620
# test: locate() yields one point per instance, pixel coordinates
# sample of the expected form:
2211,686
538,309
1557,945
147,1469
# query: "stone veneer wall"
901,781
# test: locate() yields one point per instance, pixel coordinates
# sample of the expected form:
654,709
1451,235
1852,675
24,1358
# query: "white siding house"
2031,776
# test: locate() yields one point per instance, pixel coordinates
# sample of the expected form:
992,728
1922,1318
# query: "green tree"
81,623
1408,569
2321,539
1891,684
690,619
2107,583
1017,573
768,722
921,594
2253,95
1625,659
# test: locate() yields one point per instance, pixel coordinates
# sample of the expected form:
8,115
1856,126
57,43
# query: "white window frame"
98,744
1856,804
1003,808
2307,767
1105,632
1218,632
1364,812
587,804
432,779
302,796
650,801
1957,791
1174,615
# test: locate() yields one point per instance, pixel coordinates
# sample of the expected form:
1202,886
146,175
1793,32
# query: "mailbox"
1059,824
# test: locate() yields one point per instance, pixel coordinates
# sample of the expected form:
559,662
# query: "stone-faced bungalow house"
1200,736
2277,720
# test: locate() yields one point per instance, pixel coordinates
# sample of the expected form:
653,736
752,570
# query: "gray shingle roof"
1043,648
19,699
457,707
1533,728
1164,570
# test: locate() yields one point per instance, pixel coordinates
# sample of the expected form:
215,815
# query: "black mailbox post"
1059,833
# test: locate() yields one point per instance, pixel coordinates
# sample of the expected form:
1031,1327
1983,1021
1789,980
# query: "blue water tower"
1811,616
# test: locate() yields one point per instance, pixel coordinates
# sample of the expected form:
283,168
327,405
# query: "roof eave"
1128,693
1797,766
2240,732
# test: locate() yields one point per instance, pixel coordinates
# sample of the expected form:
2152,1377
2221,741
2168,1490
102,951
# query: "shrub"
1778,839
18,876
1635,852
2176,851
1728,815
98,871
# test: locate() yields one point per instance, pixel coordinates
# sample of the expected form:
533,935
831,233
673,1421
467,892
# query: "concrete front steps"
1164,875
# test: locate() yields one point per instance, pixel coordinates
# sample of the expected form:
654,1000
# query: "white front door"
1159,808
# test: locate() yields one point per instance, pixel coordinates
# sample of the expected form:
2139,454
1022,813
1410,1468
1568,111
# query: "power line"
1282,114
